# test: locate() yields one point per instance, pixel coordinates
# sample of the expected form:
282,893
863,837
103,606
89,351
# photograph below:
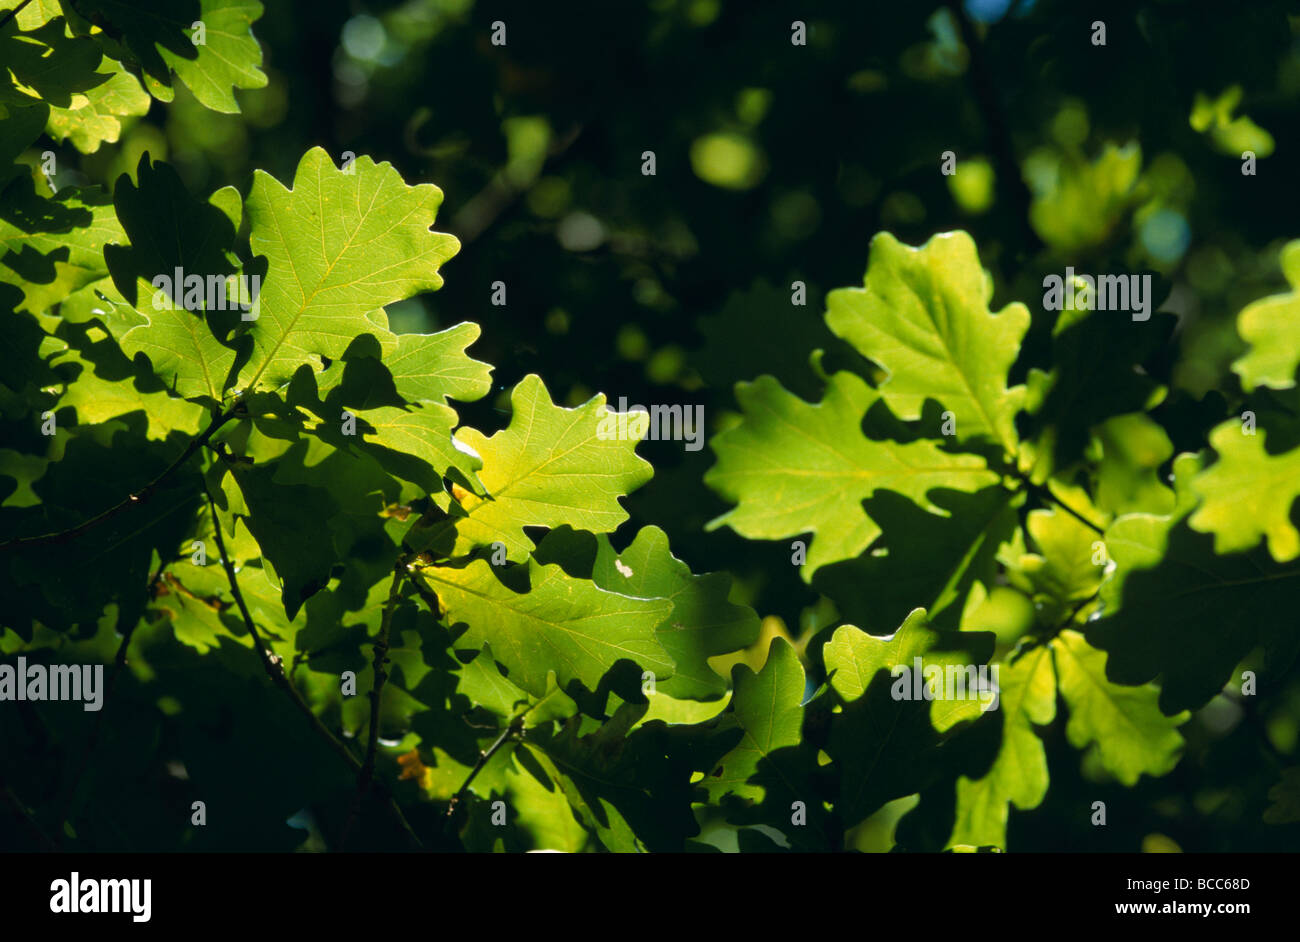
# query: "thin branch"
1046,494
132,500
381,675
12,13
516,726
275,670
365,776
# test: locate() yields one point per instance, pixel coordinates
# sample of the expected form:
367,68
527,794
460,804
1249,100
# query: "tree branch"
516,726
274,668
1046,494
132,500
366,775
9,15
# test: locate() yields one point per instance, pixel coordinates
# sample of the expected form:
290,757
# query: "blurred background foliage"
776,163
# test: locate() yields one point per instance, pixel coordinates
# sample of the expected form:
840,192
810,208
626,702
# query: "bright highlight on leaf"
552,466
923,315
560,624
339,245
795,468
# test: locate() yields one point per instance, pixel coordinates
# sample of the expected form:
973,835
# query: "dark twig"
1046,494
516,726
10,14
275,670
132,500
366,775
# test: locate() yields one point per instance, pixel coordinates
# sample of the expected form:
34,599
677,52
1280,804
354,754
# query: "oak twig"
132,500
10,14
1046,494
275,670
516,726
366,775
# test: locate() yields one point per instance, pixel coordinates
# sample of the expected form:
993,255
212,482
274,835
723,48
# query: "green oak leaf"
101,300
414,443
106,385
358,491
923,315
160,35
1018,775
1269,325
400,403
93,117
1247,494
291,525
52,246
1122,723
545,814
435,367
20,126
683,712
853,658
702,623
48,65
770,766
34,14
793,468
339,245
1175,609
63,585
561,624
1078,204
1129,450
550,467
32,347
192,351
1097,373
1066,570
887,708
631,788
196,614
482,681
927,560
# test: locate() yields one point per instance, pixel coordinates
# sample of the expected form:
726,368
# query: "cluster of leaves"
245,502
310,450
929,509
